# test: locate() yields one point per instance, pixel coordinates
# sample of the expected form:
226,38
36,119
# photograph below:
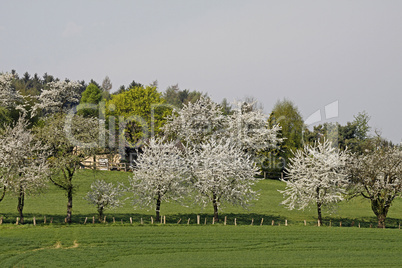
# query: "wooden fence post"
318,223
235,222
17,221
164,219
142,223
340,224
179,221
1,220
188,221
93,220
286,222
85,222
34,221
131,220
224,223
205,222
359,224
213,220
44,219
273,222
305,223
262,220
252,222
198,219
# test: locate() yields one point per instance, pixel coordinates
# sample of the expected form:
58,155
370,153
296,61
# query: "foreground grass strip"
198,246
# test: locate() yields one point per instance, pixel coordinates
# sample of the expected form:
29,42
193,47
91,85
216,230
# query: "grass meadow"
175,245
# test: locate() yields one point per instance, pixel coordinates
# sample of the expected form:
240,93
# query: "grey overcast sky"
312,52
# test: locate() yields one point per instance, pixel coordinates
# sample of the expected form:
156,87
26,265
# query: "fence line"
100,165
196,221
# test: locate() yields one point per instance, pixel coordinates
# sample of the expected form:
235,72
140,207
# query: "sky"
333,59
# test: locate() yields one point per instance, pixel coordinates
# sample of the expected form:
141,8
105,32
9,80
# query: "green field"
173,244
199,246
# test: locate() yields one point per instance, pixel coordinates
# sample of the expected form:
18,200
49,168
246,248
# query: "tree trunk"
20,206
3,194
215,205
319,213
319,204
158,208
69,204
100,213
380,209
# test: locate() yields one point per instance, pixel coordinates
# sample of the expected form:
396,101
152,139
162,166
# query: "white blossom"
9,97
105,196
23,164
377,176
249,128
23,160
196,122
317,174
59,94
160,174
222,173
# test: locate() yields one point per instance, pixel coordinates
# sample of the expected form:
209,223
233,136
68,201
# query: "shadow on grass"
204,218
364,222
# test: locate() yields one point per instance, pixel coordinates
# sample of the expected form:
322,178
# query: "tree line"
188,143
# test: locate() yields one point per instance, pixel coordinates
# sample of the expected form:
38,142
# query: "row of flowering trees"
30,156
199,151
206,153
212,156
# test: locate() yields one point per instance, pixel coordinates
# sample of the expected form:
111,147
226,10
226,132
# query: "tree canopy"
92,96
377,176
138,113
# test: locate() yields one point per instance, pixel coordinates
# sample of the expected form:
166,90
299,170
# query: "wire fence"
195,220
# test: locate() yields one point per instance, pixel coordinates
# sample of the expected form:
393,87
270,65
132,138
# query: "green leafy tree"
226,107
106,88
287,115
91,95
137,113
353,135
178,98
